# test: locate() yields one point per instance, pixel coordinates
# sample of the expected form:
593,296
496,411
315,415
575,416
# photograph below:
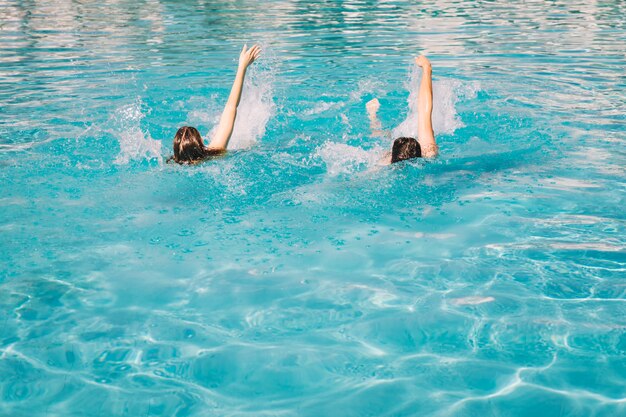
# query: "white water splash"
446,93
135,144
204,110
367,86
323,107
341,158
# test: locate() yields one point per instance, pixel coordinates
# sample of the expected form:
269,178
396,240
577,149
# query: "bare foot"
423,62
372,106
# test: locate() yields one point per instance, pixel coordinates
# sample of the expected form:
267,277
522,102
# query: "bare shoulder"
430,151
215,151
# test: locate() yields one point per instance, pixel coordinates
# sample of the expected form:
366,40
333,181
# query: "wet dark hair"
405,148
189,147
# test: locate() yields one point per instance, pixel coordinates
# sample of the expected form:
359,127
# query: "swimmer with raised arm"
408,148
188,145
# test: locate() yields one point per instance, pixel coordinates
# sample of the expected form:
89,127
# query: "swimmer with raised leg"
408,148
188,145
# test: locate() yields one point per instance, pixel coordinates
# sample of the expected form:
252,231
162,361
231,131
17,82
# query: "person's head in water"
188,146
405,148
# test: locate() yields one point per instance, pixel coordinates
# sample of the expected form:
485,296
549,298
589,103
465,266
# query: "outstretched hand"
248,56
422,61
372,106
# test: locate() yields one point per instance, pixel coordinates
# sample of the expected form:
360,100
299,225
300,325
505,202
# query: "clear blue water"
293,277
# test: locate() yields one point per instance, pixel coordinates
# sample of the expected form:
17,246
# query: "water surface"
293,277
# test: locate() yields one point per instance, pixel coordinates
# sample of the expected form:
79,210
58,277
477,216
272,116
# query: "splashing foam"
367,86
341,158
205,111
323,107
255,108
135,144
446,93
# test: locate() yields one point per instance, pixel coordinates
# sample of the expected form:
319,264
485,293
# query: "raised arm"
372,107
425,134
227,121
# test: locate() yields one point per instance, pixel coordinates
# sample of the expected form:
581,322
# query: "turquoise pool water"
294,278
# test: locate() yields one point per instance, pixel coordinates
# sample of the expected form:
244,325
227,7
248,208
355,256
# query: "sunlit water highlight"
295,277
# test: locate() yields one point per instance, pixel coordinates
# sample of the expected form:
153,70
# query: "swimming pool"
293,277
